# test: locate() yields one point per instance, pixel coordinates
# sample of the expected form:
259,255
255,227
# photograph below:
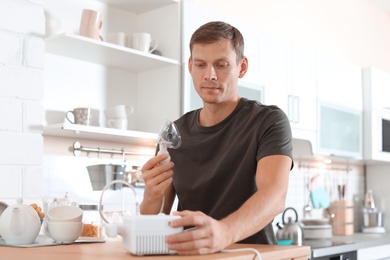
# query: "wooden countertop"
115,250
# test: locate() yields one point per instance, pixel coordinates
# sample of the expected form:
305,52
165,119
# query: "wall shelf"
101,133
105,53
138,6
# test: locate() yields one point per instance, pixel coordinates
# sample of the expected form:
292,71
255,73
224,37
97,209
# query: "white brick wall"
22,27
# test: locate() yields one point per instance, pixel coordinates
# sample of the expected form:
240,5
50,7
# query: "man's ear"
189,64
244,67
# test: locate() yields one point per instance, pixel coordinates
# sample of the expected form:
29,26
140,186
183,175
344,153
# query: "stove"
321,243
325,243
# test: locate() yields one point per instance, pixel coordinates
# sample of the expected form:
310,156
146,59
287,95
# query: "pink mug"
91,23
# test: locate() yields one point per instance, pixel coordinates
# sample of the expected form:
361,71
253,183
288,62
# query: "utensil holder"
343,217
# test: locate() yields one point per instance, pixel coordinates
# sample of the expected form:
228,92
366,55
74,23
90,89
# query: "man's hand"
207,235
157,177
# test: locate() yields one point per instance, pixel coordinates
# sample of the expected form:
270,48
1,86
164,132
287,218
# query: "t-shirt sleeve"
274,135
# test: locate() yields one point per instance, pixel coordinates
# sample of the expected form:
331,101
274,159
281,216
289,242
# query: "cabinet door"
302,104
376,85
274,65
288,73
339,131
339,82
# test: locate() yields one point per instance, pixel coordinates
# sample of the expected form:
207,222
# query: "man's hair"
218,31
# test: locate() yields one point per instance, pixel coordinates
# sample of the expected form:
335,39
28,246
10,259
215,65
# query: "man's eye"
199,64
223,65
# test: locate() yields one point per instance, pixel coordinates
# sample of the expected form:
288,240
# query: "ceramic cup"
117,123
118,111
65,232
119,38
143,42
81,116
90,24
67,213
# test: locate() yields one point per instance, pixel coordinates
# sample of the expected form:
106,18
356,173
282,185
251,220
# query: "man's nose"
210,74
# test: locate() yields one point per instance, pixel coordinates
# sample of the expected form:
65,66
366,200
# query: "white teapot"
19,224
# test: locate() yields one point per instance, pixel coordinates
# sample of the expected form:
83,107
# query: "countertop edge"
353,243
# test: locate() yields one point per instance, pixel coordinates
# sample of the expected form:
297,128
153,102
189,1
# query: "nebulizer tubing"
137,206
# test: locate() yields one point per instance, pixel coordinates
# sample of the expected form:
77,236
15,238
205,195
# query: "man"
231,171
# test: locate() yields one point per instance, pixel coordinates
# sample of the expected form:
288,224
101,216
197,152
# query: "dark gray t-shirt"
215,167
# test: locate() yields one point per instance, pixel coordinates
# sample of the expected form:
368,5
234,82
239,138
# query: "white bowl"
65,214
65,232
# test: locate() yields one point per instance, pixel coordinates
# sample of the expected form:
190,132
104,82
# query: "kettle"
290,230
19,224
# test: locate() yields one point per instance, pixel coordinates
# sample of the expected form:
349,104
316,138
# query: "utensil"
372,219
341,191
19,224
65,232
101,174
168,137
290,230
67,213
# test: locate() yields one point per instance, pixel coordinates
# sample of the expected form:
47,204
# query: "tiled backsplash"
331,175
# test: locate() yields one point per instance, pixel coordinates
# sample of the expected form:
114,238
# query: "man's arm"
211,236
272,177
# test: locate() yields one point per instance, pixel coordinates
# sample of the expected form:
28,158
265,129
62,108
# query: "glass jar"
137,179
92,222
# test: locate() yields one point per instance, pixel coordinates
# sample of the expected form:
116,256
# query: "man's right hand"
157,177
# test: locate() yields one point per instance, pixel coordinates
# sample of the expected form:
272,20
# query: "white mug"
119,38
118,111
118,123
90,24
143,42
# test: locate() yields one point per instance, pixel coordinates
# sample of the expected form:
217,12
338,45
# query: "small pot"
372,219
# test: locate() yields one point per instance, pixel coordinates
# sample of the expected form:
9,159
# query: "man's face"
215,71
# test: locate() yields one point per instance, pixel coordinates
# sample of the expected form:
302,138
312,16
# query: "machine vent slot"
151,245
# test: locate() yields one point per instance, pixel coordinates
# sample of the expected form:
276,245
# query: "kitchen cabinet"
339,131
375,86
288,72
274,65
339,82
301,89
376,252
340,108
81,72
376,115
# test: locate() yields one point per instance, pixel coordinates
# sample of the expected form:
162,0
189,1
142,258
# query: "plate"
315,221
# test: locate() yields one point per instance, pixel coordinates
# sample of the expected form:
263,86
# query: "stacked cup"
117,116
64,223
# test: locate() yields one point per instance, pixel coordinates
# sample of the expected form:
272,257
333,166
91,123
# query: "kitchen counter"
342,244
115,250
